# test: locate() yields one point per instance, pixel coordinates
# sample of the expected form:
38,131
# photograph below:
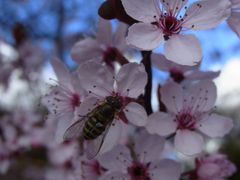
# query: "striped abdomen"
97,121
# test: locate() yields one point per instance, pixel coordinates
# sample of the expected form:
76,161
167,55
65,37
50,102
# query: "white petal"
188,142
206,14
115,176
131,80
172,97
165,170
143,10
144,147
183,49
144,36
202,75
215,125
86,106
104,32
86,49
202,96
117,159
161,123
136,114
234,22
96,78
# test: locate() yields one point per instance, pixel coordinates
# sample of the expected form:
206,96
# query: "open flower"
63,98
189,111
161,20
180,73
143,165
214,167
234,19
107,45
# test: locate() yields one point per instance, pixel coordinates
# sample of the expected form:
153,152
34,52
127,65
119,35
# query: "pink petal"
104,32
144,147
119,40
183,49
96,78
172,97
234,22
117,159
86,106
201,96
188,142
86,49
136,114
131,80
144,36
202,75
115,176
215,125
208,170
206,14
161,123
143,10
165,170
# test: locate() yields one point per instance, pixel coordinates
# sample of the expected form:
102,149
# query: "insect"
94,126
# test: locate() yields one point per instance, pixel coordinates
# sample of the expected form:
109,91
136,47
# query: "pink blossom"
180,73
142,164
189,111
161,20
64,98
106,45
234,19
214,167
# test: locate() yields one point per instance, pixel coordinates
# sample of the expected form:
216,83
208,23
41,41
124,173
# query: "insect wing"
75,130
94,146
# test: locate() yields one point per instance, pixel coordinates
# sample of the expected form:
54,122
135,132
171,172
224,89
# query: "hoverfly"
95,125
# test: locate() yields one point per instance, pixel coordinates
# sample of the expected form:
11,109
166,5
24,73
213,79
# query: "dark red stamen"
186,121
75,100
138,171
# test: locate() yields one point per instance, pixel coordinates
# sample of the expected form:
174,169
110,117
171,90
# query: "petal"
113,136
161,123
131,80
202,75
188,142
144,147
165,170
115,176
143,10
96,78
234,22
201,97
119,39
144,36
175,6
104,32
136,114
117,159
172,97
86,49
206,14
215,125
86,106
183,49
208,170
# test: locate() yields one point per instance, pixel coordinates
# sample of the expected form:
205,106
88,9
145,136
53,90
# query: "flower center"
177,75
75,100
138,171
170,25
186,121
109,55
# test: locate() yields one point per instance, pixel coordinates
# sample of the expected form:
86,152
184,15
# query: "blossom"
234,19
106,46
161,20
180,73
214,167
189,111
127,85
144,164
63,98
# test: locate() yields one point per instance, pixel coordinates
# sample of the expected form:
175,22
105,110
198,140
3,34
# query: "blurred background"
34,31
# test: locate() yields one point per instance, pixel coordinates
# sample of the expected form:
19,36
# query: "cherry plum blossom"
161,20
234,19
189,113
